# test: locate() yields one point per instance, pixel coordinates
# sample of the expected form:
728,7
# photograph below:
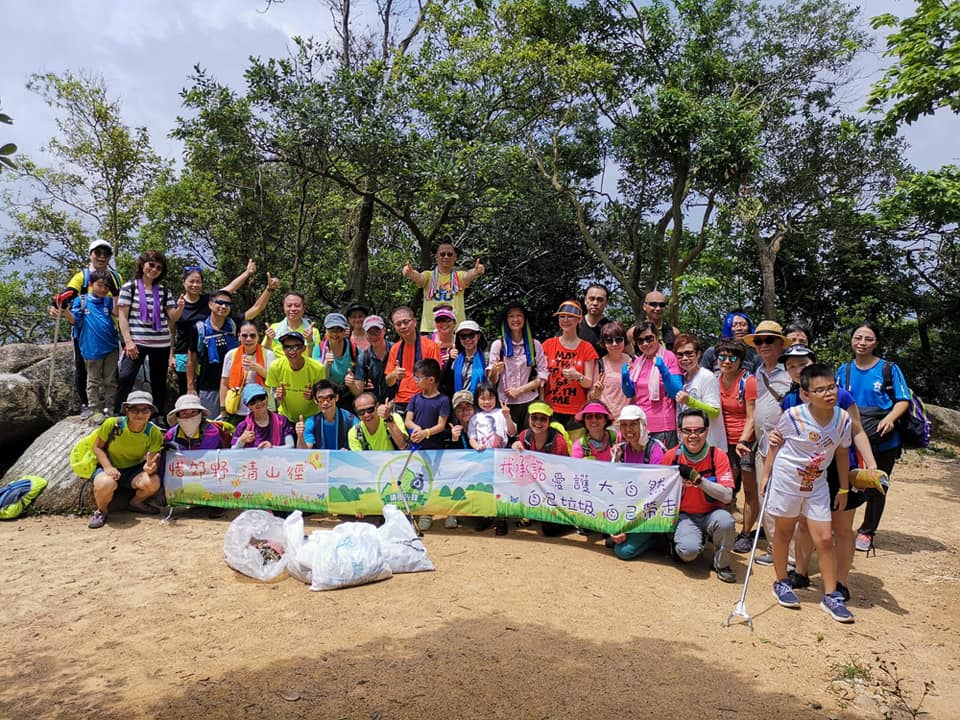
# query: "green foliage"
925,75
458,494
7,149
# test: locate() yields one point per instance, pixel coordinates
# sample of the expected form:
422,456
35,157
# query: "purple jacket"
210,438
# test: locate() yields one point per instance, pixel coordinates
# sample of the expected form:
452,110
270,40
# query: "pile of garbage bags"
263,546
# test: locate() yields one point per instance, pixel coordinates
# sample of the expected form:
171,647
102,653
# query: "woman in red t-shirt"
571,368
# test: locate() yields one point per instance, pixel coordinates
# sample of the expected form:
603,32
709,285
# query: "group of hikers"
754,412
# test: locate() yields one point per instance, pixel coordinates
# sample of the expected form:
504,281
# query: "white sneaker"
425,522
450,523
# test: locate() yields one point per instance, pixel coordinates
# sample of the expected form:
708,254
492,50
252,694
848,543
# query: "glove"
688,473
671,383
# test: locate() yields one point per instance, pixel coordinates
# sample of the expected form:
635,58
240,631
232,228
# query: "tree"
7,149
924,76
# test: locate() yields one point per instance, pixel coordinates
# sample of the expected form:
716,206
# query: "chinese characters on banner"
592,495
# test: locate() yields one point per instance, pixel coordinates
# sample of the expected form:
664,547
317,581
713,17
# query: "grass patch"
852,670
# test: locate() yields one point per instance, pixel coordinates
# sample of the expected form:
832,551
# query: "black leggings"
159,357
875,499
79,372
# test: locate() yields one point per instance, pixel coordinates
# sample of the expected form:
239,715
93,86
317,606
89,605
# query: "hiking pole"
53,356
740,609
403,496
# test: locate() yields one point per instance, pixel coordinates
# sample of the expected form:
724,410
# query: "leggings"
875,499
159,357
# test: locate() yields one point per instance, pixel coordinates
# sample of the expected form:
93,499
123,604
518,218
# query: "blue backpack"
15,497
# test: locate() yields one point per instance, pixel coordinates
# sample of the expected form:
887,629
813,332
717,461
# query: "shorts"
126,475
745,464
814,505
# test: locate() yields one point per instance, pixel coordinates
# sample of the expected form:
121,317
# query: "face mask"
190,426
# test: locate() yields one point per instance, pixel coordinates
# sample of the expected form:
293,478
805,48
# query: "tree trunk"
359,250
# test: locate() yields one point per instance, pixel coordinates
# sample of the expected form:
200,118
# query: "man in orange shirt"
407,352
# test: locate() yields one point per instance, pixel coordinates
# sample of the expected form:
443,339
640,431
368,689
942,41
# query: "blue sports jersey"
866,386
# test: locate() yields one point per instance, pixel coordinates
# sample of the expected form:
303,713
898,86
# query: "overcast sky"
145,49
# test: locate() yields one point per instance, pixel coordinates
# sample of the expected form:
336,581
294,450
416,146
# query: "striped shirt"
142,332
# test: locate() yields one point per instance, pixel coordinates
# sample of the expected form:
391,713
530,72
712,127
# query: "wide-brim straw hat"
769,328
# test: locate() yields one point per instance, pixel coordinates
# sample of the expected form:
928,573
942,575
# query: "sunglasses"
446,254
728,358
657,304
222,303
153,265
646,339
695,432
765,340
467,335
256,400
292,348
361,412
101,252
686,354
248,335
139,409
613,341
326,398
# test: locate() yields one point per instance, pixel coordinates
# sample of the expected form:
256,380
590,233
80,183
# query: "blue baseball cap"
252,391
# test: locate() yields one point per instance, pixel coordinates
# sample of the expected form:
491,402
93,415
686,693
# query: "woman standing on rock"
146,313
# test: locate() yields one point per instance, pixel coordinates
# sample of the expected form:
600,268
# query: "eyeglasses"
418,378
765,340
467,335
647,339
222,303
685,353
728,358
361,412
657,304
693,432
446,253
139,409
102,252
825,390
326,398
292,348
248,335
613,341
403,322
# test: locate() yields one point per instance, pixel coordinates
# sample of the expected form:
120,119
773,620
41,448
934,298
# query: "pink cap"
444,313
593,406
372,321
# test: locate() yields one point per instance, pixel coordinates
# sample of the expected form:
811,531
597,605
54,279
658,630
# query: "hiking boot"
98,520
744,543
450,523
425,522
844,590
725,574
834,606
864,542
138,506
765,559
501,528
85,412
785,594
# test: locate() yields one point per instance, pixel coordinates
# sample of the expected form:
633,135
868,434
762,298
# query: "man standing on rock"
128,455
100,254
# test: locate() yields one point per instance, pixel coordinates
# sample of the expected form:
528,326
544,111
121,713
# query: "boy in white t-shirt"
797,475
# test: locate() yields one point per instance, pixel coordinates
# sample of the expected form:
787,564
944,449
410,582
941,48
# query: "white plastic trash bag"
403,551
299,559
349,554
255,545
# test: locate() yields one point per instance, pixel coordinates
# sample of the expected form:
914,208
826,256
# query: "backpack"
362,436
15,497
585,443
914,424
553,430
83,461
85,282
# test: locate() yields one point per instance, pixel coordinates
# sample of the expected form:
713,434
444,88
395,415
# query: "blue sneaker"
785,594
834,606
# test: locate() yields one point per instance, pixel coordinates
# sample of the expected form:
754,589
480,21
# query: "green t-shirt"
130,448
295,381
380,440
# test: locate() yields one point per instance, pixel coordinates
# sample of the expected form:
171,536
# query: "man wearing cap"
379,428
773,383
370,371
292,376
707,488
356,314
407,352
128,455
209,342
463,409
443,284
654,308
100,253
337,353
262,428
591,325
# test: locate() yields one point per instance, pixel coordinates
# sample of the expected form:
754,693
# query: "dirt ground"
143,620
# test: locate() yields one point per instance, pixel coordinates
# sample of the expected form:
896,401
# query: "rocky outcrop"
25,408
945,424
49,457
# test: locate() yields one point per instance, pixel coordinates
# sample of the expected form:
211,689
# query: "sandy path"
145,620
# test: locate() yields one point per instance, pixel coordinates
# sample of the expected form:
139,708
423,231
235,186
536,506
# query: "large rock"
49,457
945,423
25,408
